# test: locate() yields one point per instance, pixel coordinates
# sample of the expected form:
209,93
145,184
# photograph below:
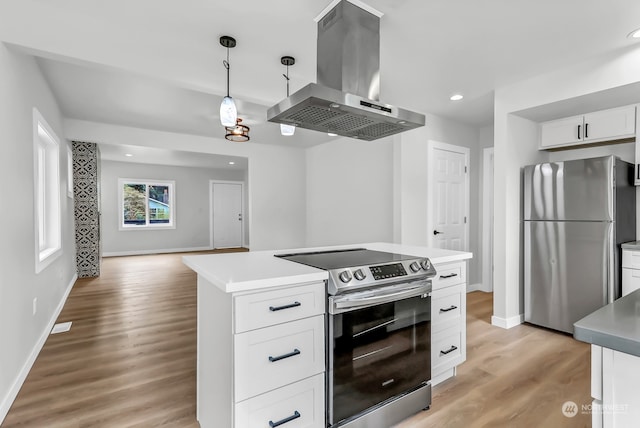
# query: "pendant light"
287,130
228,111
238,133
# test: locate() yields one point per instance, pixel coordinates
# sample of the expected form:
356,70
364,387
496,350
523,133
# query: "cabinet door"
620,392
610,124
562,131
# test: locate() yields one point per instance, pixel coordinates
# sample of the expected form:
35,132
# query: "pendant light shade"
238,133
228,110
286,129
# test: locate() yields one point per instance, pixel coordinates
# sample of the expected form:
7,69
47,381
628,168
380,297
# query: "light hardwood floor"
130,360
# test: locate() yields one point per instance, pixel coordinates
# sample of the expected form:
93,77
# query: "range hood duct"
345,101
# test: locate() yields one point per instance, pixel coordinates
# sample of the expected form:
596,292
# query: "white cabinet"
261,357
615,377
630,271
448,320
605,125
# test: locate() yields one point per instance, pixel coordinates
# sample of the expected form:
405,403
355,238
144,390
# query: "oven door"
379,347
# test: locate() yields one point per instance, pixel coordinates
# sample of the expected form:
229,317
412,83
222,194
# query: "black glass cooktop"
338,259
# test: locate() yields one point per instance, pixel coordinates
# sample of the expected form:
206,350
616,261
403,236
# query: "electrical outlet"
35,305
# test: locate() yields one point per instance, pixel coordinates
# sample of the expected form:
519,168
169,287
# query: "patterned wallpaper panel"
86,208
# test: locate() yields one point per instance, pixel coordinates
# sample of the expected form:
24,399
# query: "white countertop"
235,272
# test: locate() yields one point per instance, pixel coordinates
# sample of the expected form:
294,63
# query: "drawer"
271,357
447,306
449,274
446,350
630,280
302,401
631,259
277,306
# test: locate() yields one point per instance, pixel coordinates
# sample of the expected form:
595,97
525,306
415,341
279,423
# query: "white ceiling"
158,63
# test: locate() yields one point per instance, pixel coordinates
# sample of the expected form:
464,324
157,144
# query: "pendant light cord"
226,65
286,76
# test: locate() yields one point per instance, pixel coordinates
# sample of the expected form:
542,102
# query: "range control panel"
388,271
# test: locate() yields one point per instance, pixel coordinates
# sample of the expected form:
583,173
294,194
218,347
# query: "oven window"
378,353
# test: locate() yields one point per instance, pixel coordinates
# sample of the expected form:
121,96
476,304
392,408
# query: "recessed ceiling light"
128,155
456,97
332,134
635,34
334,105
232,163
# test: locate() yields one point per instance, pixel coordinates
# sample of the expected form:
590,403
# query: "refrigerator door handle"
611,286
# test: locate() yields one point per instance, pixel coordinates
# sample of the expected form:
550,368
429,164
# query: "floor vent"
61,327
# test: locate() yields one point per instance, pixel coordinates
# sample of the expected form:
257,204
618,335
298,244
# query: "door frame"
244,218
431,146
487,219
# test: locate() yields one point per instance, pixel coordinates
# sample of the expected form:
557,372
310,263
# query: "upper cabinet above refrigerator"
590,128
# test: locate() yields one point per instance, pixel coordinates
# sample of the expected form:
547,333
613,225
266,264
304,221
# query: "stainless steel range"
379,335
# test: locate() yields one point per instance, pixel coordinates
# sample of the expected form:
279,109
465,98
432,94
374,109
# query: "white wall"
22,334
192,210
276,176
410,183
516,145
350,192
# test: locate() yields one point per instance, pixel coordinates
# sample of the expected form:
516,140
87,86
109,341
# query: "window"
146,204
48,222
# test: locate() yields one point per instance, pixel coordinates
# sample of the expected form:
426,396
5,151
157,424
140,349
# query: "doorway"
227,214
448,196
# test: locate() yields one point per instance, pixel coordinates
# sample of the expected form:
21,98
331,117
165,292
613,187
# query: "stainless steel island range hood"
345,101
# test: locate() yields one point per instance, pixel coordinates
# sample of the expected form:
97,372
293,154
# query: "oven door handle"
347,303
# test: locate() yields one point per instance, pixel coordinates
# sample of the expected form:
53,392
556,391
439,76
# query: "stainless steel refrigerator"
576,215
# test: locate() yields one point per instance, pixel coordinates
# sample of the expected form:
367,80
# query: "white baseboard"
153,251
507,323
478,286
8,400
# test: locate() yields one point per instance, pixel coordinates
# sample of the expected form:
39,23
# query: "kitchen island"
254,304
614,334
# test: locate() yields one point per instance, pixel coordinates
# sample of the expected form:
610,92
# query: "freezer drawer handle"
295,415
451,275
450,350
450,308
282,357
279,308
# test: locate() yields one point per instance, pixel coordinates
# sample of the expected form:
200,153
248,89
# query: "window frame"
47,201
147,226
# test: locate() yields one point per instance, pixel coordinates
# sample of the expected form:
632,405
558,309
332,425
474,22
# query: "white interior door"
227,215
448,196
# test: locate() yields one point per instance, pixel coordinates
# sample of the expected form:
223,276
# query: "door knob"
435,232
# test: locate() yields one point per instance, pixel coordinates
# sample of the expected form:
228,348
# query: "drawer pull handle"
295,415
450,308
450,350
282,357
279,308
451,275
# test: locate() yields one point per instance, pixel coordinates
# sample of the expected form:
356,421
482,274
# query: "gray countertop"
634,245
615,326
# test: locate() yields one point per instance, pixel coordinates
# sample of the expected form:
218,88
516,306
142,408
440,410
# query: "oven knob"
359,274
345,276
426,264
415,267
